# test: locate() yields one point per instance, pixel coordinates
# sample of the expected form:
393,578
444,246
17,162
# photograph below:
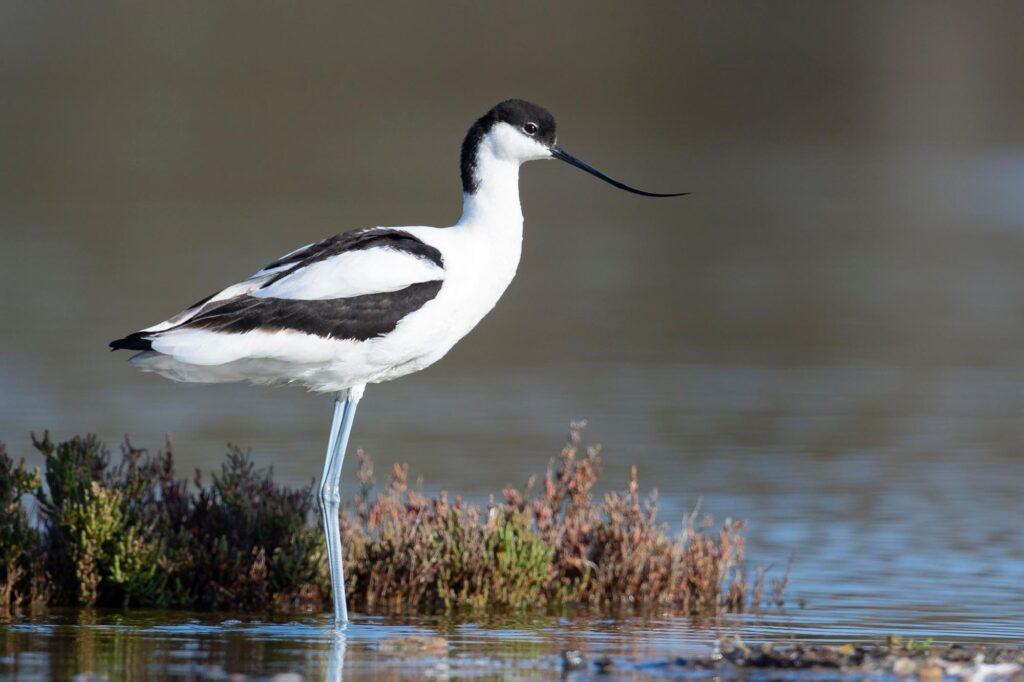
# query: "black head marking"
532,119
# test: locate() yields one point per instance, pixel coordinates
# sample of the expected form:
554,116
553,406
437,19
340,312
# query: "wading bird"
370,305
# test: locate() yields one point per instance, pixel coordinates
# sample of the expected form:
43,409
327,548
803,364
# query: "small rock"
904,667
981,671
929,672
410,646
214,672
572,660
440,671
958,652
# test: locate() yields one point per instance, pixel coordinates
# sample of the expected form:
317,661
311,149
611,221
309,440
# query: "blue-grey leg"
330,493
336,658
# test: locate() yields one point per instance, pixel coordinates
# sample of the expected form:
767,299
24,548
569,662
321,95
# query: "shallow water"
825,339
144,645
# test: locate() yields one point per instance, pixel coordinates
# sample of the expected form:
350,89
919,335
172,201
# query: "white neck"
496,199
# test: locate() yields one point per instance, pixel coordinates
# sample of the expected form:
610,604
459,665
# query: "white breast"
479,265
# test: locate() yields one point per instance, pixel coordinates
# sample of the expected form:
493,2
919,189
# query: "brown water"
825,338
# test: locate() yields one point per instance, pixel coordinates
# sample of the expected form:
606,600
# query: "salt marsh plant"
132,534
554,546
20,541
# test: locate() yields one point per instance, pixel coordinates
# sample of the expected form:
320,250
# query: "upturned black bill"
563,155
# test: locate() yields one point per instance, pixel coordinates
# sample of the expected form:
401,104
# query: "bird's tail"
136,341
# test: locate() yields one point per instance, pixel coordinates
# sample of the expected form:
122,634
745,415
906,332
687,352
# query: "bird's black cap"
517,113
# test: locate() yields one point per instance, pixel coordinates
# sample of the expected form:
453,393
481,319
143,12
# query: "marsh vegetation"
89,531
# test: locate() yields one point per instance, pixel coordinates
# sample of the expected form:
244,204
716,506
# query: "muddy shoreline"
895,659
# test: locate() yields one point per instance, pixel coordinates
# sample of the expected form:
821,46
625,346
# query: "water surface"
145,645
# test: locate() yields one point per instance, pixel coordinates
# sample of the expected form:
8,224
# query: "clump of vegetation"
20,554
405,551
554,546
132,534
249,542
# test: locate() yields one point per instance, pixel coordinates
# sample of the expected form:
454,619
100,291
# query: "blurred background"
825,338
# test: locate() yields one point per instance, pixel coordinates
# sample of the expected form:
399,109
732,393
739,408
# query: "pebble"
572,660
408,646
904,667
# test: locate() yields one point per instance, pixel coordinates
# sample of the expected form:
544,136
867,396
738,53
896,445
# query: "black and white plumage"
355,286
325,316
370,305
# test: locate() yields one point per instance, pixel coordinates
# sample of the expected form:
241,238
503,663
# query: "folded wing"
354,286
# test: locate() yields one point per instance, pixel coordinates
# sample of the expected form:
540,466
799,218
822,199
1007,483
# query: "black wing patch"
398,240
358,317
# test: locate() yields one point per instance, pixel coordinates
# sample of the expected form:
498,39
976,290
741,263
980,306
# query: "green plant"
553,547
522,562
20,557
910,646
249,541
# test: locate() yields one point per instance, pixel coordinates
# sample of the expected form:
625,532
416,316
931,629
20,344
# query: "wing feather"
339,270
351,273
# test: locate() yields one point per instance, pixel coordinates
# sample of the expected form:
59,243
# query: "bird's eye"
530,128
